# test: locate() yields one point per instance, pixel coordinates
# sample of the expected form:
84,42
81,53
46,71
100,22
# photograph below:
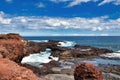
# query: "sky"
60,17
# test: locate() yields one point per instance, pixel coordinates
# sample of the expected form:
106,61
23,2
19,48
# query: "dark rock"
115,69
84,51
44,69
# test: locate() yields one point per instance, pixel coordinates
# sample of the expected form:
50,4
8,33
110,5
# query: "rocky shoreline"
13,48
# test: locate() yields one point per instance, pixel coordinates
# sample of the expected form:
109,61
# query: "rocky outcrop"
44,69
36,47
83,52
10,36
87,71
12,46
9,70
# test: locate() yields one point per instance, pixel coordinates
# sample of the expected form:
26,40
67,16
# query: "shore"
57,61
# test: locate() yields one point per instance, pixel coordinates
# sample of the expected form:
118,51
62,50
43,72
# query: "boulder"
87,71
9,70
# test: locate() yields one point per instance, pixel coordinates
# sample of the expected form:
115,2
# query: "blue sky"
60,17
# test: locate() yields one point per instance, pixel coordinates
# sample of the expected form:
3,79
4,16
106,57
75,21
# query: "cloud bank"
32,23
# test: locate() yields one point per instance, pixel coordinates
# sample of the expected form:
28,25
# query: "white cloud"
4,20
115,2
105,34
72,3
25,23
105,2
77,2
41,5
74,35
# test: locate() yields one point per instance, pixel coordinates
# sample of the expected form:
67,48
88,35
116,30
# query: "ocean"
108,42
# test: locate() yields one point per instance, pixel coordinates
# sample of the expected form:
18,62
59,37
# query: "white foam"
37,59
66,44
118,51
39,40
112,55
85,49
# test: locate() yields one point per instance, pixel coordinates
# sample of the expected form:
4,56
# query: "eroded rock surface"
9,70
87,71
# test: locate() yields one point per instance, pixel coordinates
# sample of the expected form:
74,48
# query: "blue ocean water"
109,42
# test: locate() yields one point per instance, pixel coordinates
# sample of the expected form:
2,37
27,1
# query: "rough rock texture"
115,69
10,36
77,52
87,71
83,51
45,69
12,46
66,54
58,77
36,47
9,70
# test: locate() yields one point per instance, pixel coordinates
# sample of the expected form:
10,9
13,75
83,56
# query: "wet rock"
87,71
43,69
115,69
9,70
84,51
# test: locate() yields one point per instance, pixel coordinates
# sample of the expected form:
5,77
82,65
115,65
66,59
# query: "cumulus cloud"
31,23
4,20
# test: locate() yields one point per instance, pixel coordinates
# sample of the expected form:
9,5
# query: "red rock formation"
10,36
11,49
9,70
12,46
87,71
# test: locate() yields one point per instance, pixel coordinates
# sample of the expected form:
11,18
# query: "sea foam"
39,58
39,40
66,44
115,55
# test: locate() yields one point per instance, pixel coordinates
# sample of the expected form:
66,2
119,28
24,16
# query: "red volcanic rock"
11,49
87,71
9,70
12,46
10,36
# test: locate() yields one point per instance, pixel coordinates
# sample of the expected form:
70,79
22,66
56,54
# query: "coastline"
69,57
